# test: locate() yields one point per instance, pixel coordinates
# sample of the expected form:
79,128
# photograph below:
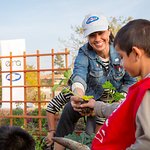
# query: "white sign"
17,47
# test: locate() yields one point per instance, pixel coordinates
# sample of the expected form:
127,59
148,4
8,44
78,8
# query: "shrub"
83,138
16,121
34,122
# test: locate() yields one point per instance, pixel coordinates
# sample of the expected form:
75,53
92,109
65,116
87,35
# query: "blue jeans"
68,120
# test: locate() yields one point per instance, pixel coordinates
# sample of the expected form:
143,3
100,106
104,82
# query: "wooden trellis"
38,102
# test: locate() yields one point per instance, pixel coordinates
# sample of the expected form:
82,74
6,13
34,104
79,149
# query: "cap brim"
94,29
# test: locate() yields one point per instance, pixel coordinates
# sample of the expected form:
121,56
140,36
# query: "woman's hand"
77,105
48,139
76,102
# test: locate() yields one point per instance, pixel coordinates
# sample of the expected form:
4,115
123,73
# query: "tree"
75,41
116,23
32,80
59,61
31,77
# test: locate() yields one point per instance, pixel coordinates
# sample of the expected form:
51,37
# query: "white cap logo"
92,19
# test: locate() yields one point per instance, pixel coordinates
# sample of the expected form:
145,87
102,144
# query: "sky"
43,22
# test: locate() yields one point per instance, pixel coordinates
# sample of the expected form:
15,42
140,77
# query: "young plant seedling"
63,81
65,90
113,95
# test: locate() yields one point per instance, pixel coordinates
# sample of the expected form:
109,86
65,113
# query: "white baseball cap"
93,23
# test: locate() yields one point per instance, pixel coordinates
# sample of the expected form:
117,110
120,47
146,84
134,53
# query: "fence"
42,78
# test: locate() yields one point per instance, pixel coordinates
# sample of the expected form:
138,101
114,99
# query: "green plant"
39,140
83,138
113,95
31,122
64,81
16,121
34,122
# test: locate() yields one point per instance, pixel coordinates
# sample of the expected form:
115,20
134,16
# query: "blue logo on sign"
92,19
15,76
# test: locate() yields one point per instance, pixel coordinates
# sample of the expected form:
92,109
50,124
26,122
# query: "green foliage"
108,85
118,96
116,23
83,138
75,40
66,90
67,74
16,121
34,122
59,61
113,95
38,145
87,98
64,81
39,141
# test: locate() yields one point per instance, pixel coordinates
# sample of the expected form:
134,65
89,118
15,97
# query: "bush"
83,138
34,122
16,121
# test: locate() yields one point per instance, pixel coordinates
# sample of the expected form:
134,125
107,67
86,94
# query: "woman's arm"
80,70
51,127
54,106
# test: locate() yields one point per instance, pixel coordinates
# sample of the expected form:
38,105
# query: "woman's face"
99,40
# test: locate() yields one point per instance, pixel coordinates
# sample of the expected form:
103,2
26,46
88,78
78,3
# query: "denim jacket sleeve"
80,70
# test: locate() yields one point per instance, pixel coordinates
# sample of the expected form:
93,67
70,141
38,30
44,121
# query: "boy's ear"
137,52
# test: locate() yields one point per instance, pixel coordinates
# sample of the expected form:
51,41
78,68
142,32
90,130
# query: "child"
128,126
15,138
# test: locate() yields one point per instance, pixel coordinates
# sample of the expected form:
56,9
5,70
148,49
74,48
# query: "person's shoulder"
115,57
84,47
112,49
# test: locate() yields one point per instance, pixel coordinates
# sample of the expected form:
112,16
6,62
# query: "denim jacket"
91,73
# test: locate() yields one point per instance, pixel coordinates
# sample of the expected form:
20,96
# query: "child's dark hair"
15,138
134,33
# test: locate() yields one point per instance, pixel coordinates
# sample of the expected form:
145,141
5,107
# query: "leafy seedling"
113,95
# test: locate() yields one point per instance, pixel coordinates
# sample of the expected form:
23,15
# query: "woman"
97,62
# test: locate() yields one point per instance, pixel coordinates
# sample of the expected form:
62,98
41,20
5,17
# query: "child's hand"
90,104
85,109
